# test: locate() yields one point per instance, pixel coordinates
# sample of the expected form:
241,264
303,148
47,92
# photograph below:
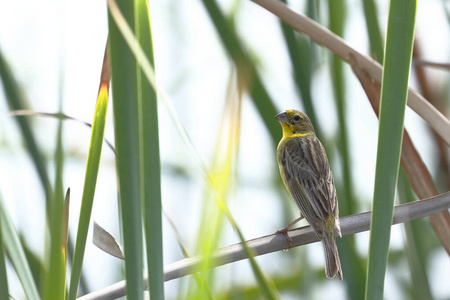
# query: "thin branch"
426,63
338,46
276,242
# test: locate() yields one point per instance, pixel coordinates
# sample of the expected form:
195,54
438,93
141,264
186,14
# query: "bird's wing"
309,179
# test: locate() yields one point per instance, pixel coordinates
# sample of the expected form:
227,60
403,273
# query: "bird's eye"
297,118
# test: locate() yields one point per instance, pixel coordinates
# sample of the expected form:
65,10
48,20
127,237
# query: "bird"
306,173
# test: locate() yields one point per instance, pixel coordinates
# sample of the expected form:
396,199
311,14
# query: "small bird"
307,176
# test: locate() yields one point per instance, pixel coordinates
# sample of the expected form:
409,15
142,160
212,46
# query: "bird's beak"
282,117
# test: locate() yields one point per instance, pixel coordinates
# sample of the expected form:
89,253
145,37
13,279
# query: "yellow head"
294,122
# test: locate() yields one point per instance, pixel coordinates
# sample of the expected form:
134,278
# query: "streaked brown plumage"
307,176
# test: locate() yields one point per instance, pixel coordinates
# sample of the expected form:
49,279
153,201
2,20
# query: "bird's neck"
289,132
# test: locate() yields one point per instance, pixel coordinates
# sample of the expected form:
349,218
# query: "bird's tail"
333,264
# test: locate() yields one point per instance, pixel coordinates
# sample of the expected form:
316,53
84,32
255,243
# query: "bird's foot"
286,234
286,229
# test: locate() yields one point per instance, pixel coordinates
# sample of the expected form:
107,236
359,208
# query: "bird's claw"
288,238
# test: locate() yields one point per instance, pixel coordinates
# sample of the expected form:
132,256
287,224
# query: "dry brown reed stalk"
338,46
412,163
427,89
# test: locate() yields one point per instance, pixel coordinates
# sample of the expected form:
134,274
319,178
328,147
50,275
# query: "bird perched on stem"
307,176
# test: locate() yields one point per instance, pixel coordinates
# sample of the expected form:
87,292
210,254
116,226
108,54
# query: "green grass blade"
126,129
394,89
323,37
337,16
134,47
267,288
198,280
150,160
265,107
3,275
300,53
247,70
90,181
415,244
149,73
16,102
36,265
275,242
16,254
352,266
373,28
221,174
56,279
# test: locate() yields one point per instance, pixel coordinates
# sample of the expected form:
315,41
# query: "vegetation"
194,155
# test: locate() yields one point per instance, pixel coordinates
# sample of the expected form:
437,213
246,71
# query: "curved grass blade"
16,102
90,181
222,174
16,254
246,69
60,116
150,159
394,91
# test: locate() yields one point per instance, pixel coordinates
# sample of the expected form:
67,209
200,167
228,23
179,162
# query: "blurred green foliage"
137,146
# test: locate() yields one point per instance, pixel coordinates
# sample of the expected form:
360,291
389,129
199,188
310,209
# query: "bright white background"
55,48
